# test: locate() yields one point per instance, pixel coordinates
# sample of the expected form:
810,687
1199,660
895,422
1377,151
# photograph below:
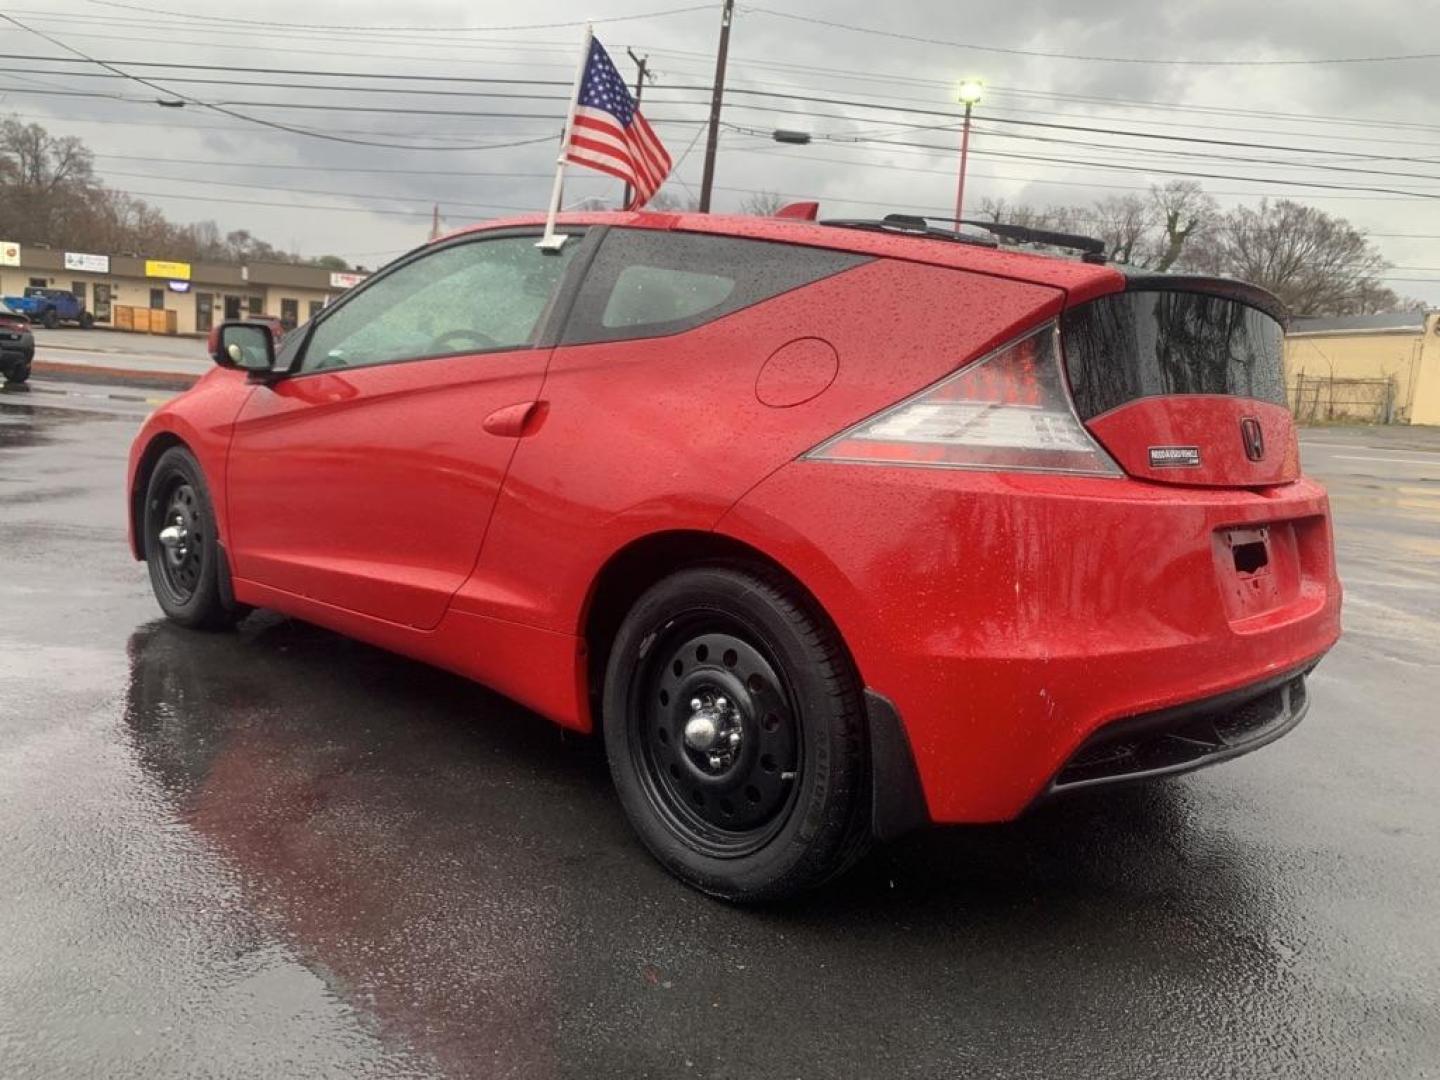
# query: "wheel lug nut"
722,704
695,704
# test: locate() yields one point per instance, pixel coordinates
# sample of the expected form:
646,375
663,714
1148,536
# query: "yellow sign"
176,271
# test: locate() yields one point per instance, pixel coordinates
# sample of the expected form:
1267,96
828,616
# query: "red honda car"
832,529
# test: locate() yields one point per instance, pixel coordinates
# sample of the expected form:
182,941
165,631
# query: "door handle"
513,421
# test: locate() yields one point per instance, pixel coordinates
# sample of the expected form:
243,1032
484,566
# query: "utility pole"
642,69
435,223
712,139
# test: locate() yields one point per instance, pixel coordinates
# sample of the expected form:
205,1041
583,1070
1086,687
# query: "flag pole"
553,241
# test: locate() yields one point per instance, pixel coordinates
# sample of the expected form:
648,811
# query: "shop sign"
9,253
88,264
180,271
345,281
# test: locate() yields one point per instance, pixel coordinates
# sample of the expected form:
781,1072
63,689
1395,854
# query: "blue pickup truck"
50,307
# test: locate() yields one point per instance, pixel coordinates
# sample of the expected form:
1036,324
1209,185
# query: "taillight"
1008,410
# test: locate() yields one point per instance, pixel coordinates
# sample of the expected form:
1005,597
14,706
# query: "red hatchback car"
832,529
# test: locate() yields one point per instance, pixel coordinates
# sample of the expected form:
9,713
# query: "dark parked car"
17,347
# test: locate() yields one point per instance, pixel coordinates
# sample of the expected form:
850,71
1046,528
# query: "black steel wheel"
181,535
719,739
735,734
181,544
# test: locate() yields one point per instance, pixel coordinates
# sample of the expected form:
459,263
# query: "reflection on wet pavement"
281,853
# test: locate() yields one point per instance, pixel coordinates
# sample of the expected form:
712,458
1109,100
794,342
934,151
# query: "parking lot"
281,853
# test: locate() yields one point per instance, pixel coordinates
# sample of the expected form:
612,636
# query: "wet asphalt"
279,853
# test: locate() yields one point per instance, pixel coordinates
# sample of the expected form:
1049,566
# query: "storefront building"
199,294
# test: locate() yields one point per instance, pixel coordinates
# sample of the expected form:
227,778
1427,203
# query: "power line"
303,206
224,110
1129,104
329,50
1072,97
896,35
950,174
835,137
1135,168
256,71
232,128
956,117
330,28
225,107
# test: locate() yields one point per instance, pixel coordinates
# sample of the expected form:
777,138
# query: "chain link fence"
1322,399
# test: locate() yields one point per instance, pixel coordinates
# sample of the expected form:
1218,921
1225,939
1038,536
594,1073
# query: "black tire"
18,372
86,320
49,319
184,573
785,806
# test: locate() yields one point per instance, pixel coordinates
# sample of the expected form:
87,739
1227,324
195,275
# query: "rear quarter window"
649,283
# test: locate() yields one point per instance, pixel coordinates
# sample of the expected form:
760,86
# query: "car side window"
646,295
478,296
649,282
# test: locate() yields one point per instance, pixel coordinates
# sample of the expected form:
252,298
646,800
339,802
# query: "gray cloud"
844,176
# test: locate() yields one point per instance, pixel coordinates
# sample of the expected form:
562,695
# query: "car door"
365,478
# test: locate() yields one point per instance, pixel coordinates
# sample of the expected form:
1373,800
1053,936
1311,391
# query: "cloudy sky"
1278,128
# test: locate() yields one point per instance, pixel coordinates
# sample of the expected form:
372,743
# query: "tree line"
1316,263
50,196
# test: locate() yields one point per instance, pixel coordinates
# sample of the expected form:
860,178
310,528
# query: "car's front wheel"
50,319
735,732
181,544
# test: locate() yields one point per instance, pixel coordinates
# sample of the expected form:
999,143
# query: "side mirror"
247,346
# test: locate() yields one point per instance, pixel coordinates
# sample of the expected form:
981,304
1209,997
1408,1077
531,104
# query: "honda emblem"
1253,437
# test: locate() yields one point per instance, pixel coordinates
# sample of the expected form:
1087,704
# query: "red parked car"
831,529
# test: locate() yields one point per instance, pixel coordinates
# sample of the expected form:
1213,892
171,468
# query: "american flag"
609,134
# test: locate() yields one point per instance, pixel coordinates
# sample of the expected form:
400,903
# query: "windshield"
1152,343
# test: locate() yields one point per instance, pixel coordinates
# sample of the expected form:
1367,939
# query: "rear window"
649,283
1152,343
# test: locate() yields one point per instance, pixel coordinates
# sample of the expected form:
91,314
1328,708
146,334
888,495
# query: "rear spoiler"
1224,288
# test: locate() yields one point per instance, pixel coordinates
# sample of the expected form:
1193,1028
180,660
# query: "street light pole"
964,159
712,138
970,91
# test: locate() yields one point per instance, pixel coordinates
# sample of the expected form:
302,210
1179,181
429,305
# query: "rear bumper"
1010,618
1186,737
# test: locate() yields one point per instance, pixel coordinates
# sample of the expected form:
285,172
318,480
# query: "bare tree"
1127,225
666,199
49,195
762,203
1184,212
1316,263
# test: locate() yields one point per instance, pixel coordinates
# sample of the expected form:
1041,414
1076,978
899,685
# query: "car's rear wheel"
181,544
87,320
18,372
735,733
